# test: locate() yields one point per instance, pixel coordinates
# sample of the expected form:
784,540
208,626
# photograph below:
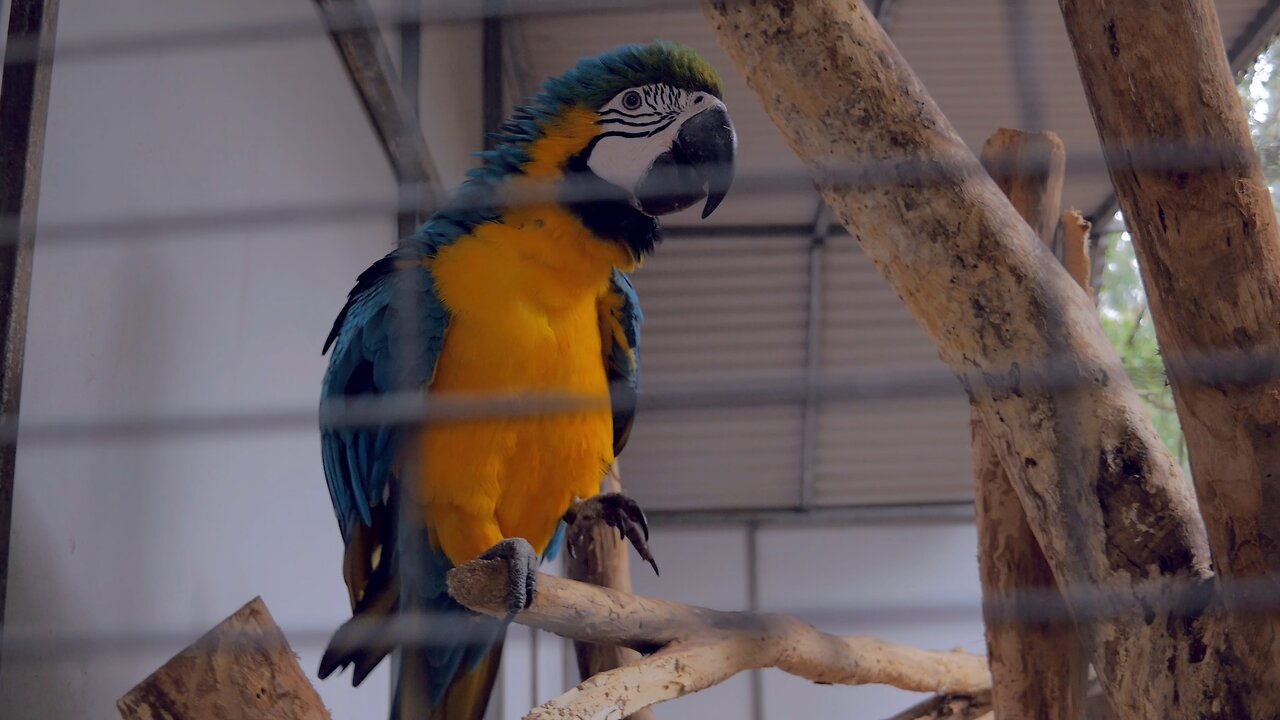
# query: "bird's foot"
617,511
522,566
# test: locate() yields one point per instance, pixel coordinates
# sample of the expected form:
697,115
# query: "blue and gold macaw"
493,297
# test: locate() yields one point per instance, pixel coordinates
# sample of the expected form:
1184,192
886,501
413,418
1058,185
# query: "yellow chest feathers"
523,297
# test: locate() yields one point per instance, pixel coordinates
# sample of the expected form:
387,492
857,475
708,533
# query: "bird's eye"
631,100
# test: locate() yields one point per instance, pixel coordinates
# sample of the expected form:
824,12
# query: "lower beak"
699,164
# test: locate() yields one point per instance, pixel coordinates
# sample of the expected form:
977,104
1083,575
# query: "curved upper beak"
699,164
709,144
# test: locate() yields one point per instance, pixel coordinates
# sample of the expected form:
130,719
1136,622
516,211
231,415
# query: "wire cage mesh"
211,186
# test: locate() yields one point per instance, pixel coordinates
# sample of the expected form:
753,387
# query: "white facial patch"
637,126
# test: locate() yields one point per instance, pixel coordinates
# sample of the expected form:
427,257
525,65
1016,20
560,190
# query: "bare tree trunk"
1115,517
1197,205
606,561
1038,665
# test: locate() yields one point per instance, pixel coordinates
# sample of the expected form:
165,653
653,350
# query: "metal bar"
411,54
492,70
1260,31
738,231
148,228
410,408
368,64
408,220
813,353
1026,65
24,109
753,605
949,512
884,14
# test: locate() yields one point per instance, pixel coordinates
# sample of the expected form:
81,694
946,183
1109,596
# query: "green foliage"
1122,301
1260,90
1127,320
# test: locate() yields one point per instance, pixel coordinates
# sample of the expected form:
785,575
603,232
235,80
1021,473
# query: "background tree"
1122,300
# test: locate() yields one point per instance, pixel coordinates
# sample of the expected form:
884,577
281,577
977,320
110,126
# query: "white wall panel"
143,544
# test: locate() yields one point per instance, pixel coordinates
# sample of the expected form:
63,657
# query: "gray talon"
522,566
615,510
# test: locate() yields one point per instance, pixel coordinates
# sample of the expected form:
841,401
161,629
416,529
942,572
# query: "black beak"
699,164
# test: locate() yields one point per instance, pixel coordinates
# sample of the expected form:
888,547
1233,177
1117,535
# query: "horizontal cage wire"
416,408
1030,607
868,172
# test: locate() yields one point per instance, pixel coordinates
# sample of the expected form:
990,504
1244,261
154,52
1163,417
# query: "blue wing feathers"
369,346
622,366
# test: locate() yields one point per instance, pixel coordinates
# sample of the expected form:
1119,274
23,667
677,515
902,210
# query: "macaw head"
663,133
639,130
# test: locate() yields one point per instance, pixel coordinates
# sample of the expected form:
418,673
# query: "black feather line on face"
609,214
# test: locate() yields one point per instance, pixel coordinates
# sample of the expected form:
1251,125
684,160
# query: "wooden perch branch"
694,648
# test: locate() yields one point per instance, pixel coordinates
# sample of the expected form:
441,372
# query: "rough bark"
1115,517
1194,197
1038,665
604,561
693,648
242,669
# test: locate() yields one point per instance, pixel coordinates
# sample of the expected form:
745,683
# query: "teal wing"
388,338
621,343
371,342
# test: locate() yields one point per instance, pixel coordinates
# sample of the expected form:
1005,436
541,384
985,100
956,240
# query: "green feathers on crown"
594,81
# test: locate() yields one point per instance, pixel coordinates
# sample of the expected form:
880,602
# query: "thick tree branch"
1197,204
694,648
1039,665
1104,497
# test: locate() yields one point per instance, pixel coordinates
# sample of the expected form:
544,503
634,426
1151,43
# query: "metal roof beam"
947,512
24,108
353,27
492,71
822,222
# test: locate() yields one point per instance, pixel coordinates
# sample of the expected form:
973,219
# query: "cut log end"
242,669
